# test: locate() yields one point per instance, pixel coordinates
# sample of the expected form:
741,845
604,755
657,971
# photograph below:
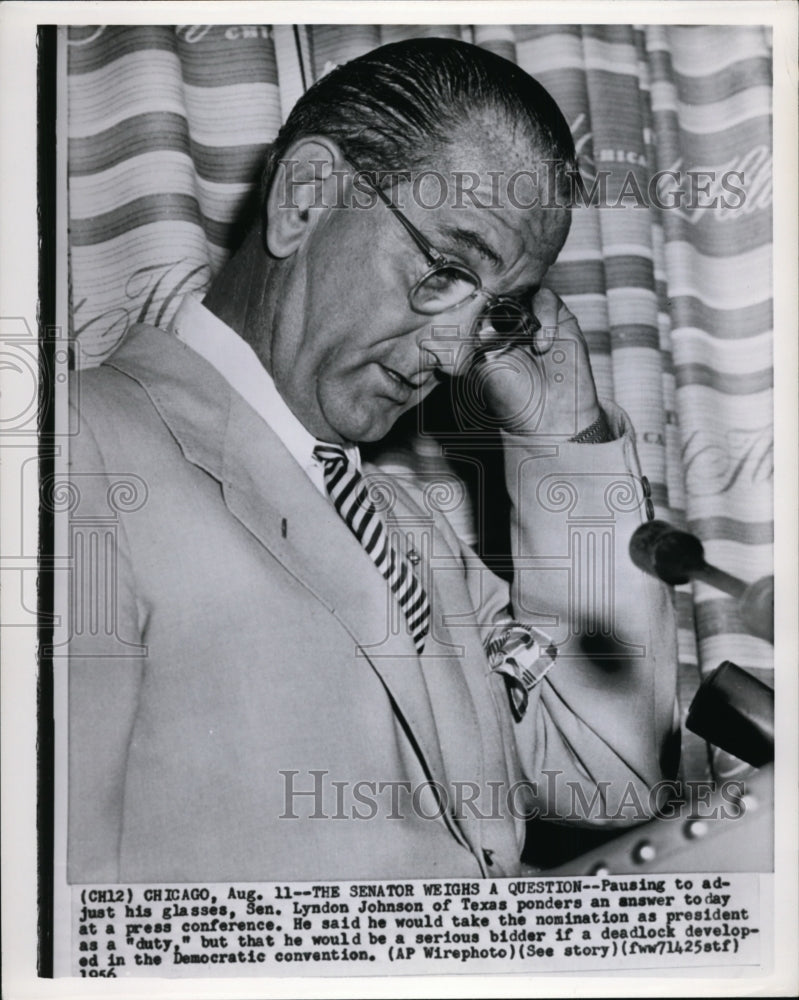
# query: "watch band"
596,433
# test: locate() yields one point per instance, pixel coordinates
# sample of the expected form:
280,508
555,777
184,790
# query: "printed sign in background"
168,126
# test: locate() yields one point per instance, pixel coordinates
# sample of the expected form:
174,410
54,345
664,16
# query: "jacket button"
489,856
646,487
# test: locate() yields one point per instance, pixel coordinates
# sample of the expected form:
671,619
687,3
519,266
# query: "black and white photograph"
394,496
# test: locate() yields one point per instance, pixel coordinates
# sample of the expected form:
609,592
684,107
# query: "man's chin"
367,426
375,431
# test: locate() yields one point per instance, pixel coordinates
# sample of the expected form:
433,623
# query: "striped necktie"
350,496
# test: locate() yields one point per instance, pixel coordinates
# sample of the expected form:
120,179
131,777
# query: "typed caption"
537,924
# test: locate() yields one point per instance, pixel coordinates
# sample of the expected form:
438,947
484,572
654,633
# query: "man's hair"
396,108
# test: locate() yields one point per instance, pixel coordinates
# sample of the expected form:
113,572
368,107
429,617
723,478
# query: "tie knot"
330,454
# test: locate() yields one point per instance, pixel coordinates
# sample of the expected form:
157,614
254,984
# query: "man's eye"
442,289
443,279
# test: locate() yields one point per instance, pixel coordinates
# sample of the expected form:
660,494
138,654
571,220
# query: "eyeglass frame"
439,261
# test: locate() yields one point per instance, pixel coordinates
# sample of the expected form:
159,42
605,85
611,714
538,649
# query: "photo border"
29,225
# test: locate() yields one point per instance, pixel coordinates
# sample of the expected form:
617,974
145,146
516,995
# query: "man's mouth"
399,378
401,387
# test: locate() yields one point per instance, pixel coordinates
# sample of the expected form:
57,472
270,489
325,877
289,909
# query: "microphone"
735,711
675,557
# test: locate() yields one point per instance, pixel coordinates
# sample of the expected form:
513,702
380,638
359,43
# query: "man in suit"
292,703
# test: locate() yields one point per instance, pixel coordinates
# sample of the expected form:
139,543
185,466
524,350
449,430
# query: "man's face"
349,354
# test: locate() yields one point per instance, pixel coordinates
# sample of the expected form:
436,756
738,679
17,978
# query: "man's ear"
304,185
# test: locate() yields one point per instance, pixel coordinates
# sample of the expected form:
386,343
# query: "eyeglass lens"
447,286
442,288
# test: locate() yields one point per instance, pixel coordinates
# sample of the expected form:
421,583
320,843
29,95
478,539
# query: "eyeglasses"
447,284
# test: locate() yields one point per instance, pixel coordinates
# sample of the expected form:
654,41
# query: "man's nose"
449,340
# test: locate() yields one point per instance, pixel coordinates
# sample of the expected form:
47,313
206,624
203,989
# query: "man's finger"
545,308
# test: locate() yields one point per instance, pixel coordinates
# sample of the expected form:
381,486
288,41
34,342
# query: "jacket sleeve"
600,718
106,658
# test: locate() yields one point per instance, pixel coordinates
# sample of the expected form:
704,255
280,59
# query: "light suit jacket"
242,650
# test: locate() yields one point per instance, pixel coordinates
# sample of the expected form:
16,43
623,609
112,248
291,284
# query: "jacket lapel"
269,494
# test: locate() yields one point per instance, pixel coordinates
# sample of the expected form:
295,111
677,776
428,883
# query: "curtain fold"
168,127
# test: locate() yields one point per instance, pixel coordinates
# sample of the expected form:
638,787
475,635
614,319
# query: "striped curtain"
168,126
